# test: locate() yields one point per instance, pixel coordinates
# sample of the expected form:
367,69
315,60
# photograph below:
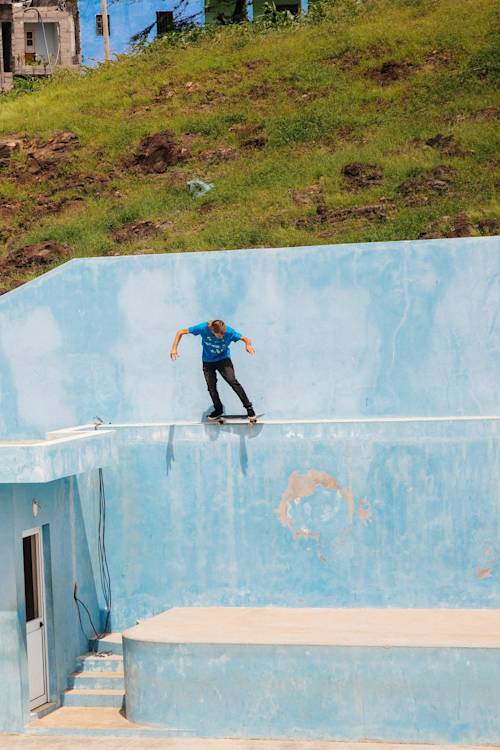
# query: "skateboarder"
216,337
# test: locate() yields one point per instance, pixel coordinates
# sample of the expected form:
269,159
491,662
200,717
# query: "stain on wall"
326,534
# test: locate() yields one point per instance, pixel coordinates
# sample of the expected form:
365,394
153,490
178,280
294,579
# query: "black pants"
226,369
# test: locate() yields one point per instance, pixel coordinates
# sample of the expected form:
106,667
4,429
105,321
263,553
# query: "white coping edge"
71,435
340,420
79,432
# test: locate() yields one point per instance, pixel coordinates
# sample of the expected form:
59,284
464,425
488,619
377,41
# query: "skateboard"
236,419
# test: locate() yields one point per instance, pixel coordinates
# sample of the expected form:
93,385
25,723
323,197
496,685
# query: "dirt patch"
39,255
156,153
251,136
164,93
213,96
44,156
257,141
206,208
308,196
489,227
256,64
137,230
345,60
259,91
9,209
359,176
422,188
440,58
216,155
324,215
46,204
392,71
460,226
8,147
445,144
486,114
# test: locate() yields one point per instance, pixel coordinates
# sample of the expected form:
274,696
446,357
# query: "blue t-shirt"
214,348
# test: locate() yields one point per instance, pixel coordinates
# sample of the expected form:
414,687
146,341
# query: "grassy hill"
364,121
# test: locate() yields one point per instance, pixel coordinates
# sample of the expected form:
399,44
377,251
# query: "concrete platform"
327,674
419,628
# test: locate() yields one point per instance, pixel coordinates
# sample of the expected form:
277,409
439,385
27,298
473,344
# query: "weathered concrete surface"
396,328
431,628
401,514
34,461
435,695
26,742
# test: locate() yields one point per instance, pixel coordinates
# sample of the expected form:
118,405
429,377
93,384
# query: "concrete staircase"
97,681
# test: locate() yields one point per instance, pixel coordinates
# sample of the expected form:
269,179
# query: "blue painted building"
371,484
130,17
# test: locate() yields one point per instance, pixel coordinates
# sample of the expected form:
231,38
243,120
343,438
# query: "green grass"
321,107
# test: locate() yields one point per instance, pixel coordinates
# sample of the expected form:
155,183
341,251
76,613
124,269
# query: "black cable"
103,569
103,560
78,603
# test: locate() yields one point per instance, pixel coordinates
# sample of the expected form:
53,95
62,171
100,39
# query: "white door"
35,617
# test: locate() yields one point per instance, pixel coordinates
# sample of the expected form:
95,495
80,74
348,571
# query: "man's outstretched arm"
248,345
173,351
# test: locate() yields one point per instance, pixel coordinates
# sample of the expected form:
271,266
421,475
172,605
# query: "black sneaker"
215,415
250,412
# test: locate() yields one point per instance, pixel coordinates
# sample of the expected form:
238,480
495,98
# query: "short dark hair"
217,326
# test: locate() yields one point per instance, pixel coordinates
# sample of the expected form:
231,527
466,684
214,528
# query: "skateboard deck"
236,419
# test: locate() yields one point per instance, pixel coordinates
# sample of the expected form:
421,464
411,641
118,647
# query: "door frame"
38,534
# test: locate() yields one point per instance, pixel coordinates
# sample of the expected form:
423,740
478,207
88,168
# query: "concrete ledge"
393,675
419,628
35,461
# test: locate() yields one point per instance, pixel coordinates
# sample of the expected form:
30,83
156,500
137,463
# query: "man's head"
218,328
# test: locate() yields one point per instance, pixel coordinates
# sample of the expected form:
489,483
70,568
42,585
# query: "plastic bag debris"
197,188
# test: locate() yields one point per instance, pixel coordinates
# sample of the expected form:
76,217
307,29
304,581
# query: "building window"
292,8
99,26
164,21
29,39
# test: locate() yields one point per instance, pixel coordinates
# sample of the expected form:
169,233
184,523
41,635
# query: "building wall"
67,561
61,34
380,329
128,17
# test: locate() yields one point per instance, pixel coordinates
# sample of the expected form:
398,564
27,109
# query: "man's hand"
249,348
175,343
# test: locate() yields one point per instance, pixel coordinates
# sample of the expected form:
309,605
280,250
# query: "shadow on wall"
243,431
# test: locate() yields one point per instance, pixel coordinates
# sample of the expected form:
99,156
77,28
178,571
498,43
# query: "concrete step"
96,680
98,722
96,698
43,710
92,662
316,673
110,643
93,725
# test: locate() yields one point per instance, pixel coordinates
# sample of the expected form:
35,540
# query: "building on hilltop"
132,18
38,36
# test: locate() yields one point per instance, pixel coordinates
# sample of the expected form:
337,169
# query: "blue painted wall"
67,560
378,329
429,695
207,516
389,514
128,17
